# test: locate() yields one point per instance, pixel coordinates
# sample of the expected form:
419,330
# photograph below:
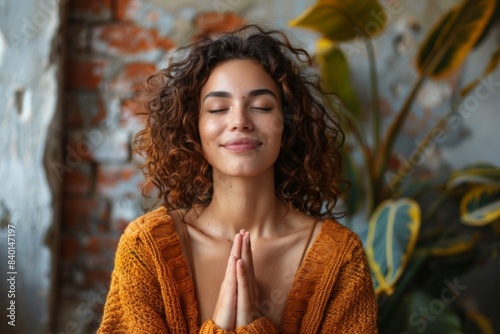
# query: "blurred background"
70,71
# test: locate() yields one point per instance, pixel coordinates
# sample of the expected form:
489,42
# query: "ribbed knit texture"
152,292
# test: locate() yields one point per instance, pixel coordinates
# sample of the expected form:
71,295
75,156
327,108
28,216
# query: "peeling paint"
151,16
29,95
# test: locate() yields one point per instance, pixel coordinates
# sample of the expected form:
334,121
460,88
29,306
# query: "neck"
248,203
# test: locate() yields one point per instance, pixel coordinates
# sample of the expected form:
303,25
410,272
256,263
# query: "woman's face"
241,121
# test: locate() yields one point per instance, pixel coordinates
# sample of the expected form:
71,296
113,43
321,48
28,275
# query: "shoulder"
151,223
148,233
150,239
340,240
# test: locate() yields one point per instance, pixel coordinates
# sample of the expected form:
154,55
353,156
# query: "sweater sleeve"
134,303
352,307
259,326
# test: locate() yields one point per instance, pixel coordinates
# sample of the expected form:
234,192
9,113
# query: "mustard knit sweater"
152,292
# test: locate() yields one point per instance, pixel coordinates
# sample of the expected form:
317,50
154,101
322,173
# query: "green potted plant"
404,233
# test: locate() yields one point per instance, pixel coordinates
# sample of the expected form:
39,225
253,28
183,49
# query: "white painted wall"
29,66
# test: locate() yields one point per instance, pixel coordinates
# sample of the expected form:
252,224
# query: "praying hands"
239,294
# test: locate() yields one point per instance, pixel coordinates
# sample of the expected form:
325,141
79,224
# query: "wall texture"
29,189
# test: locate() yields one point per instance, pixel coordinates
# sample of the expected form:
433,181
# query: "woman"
244,153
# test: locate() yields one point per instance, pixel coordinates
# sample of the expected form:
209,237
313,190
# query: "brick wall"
112,47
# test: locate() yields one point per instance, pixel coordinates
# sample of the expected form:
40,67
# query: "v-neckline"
293,289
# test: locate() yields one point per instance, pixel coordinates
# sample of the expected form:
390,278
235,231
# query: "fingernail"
247,240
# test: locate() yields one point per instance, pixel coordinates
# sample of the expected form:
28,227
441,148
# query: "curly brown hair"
308,173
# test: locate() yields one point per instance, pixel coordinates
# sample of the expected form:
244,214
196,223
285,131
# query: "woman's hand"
248,292
225,308
238,300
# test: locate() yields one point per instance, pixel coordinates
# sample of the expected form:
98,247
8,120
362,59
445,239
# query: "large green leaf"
343,20
336,75
453,37
480,206
392,233
477,174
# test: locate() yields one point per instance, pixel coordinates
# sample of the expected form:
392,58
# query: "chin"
244,171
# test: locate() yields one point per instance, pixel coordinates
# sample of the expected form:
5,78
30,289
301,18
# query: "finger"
225,308
247,257
236,250
244,307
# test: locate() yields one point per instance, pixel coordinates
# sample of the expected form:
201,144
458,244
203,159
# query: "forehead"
238,76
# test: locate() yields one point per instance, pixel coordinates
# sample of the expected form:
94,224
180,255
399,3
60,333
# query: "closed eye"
213,111
262,109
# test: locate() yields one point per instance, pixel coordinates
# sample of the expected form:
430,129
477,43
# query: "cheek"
209,129
277,124
274,126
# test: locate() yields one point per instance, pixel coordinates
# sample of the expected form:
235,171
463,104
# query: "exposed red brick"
77,39
118,181
131,78
78,179
138,72
123,8
114,146
69,250
89,215
100,251
216,22
77,146
131,117
72,112
90,9
84,109
84,74
94,277
133,107
124,210
127,39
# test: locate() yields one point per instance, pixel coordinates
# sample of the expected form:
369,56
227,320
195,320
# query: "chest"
275,268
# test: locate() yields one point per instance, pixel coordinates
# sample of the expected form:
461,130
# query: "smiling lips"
241,144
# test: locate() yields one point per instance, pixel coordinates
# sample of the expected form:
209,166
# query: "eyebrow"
252,93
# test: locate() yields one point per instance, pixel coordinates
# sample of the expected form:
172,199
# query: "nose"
240,119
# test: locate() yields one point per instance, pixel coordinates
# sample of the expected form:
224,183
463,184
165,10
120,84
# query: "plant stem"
394,129
436,130
374,94
430,64
435,205
367,156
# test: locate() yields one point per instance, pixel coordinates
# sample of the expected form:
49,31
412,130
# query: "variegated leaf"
480,206
391,238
